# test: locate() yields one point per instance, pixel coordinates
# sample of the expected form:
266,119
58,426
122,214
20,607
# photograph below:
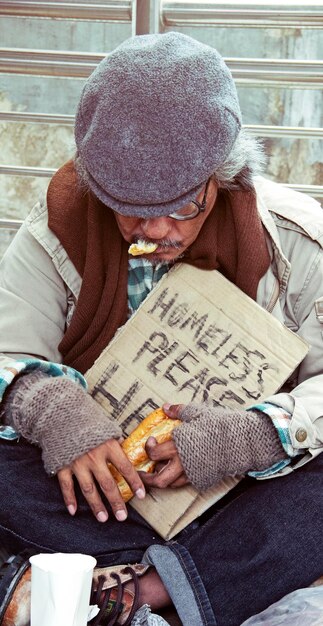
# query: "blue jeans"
260,542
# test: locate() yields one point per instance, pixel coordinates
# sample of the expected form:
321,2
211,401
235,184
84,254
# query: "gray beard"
156,262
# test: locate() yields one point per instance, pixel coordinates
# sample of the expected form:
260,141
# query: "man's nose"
156,227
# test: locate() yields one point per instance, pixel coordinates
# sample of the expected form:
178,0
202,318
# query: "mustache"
162,243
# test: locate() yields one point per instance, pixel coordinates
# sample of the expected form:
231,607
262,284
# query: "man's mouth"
143,247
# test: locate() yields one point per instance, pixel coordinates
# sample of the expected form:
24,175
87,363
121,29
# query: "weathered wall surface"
290,160
44,145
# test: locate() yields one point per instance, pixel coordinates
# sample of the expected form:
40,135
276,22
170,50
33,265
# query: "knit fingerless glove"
216,442
59,416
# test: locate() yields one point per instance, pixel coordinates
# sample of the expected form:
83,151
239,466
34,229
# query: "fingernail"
71,509
140,493
102,516
121,515
166,406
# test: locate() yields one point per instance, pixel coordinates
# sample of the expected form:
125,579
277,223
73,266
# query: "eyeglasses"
191,210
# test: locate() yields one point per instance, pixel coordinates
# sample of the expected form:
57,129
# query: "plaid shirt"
142,278
25,366
280,419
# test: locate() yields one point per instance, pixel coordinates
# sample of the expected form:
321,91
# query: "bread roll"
157,425
142,247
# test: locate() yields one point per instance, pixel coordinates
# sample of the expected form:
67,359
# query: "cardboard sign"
196,338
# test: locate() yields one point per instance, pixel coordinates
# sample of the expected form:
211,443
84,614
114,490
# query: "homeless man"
161,157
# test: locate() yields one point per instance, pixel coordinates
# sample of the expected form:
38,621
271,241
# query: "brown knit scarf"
231,240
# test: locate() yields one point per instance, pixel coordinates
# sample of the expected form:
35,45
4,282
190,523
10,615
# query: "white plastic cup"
60,589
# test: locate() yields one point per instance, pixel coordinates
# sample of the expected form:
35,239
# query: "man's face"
172,236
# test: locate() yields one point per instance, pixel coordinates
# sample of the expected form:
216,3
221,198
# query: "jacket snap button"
301,434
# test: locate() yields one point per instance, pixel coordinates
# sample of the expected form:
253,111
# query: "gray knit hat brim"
155,119
153,209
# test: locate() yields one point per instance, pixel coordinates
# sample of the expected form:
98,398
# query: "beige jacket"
39,287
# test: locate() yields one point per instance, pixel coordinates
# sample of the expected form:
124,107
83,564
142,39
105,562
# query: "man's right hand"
92,468
76,438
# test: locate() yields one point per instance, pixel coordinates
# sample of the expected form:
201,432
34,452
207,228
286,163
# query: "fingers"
180,482
165,477
86,481
171,470
125,467
173,410
160,451
65,479
91,469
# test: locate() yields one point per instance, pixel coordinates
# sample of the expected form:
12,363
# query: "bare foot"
152,591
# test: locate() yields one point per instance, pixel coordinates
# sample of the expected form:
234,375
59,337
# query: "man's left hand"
169,471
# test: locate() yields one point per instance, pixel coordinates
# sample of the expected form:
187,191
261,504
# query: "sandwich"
157,425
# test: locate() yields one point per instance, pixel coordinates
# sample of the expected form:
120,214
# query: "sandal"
115,601
15,584
108,592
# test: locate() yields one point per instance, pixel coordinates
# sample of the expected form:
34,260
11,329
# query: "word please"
163,357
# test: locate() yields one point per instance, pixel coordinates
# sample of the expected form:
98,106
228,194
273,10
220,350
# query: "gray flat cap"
155,118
